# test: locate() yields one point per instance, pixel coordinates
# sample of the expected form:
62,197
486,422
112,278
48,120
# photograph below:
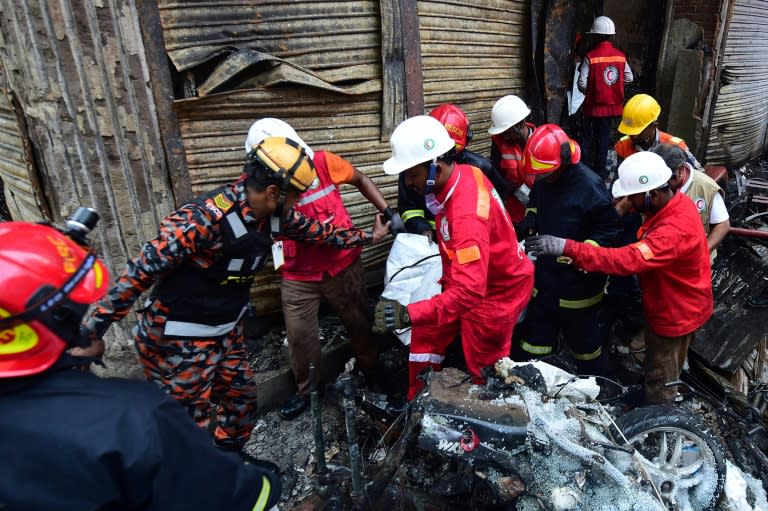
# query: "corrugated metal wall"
738,128
472,54
21,198
79,74
319,35
213,127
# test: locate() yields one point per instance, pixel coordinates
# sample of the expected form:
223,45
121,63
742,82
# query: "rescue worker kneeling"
74,441
202,262
570,201
487,279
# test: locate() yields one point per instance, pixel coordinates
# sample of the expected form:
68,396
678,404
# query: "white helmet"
603,25
271,127
507,112
417,140
641,172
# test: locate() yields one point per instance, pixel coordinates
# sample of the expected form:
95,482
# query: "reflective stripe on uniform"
238,229
607,60
588,356
534,349
412,213
535,211
468,254
235,264
431,223
187,329
483,207
317,194
511,157
582,304
432,358
261,502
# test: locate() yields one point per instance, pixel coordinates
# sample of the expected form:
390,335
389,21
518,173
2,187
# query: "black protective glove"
396,226
527,226
544,244
390,315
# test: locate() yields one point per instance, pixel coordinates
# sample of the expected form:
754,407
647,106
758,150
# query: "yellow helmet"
640,111
287,159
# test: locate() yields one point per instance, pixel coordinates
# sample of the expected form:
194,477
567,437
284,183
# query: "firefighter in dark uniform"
567,197
202,263
72,440
418,219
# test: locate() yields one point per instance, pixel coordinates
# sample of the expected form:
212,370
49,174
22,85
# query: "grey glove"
396,225
544,244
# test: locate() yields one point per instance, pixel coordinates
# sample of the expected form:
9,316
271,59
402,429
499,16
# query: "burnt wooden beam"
393,68
414,77
162,90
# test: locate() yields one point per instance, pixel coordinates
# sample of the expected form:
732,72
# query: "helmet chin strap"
647,201
431,175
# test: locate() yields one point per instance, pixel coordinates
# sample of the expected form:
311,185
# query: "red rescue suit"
671,261
487,280
510,164
321,201
605,82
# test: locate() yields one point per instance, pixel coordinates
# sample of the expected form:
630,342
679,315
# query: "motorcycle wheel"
679,454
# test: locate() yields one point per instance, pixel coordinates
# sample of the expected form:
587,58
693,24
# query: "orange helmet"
548,148
49,282
455,121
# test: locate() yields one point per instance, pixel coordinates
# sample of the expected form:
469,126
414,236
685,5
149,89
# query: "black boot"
292,407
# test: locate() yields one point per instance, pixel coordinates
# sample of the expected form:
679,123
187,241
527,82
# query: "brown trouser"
301,302
664,358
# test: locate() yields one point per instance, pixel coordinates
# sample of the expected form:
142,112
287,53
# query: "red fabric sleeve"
467,278
659,249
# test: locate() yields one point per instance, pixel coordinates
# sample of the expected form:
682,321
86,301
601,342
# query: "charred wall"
78,123
342,73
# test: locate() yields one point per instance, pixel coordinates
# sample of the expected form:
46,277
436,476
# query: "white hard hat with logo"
641,172
417,140
271,127
508,111
603,25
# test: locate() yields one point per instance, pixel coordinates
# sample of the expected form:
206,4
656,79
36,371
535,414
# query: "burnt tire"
679,453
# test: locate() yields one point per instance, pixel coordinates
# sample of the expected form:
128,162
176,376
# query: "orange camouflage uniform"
192,241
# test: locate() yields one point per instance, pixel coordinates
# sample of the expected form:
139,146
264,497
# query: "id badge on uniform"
277,254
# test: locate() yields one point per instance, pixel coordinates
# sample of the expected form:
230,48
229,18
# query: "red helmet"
49,282
455,121
547,148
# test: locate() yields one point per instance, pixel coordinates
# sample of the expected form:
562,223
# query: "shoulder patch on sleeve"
468,254
644,249
222,202
210,205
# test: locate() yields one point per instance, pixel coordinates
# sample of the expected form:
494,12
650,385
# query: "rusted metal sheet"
21,195
472,54
214,129
78,71
738,127
319,35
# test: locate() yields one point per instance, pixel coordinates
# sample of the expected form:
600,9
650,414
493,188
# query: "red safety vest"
605,83
511,166
307,262
624,147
